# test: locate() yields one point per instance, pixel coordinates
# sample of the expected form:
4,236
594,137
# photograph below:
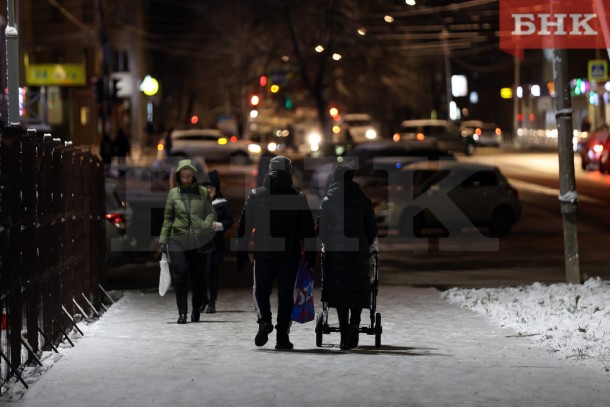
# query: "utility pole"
105,70
568,197
12,63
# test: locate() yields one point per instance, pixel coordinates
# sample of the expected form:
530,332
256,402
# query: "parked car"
592,150
211,144
374,161
478,195
484,134
441,133
120,243
359,128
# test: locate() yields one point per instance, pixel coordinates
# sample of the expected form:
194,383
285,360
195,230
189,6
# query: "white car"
359,128
453,196
483,134
210,144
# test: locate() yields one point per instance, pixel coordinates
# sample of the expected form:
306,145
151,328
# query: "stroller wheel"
319,322
378,330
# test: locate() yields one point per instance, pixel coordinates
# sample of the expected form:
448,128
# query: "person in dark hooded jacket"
188,223
347,229
224,221
277,218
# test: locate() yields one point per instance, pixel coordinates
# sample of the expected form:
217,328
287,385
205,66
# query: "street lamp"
150,87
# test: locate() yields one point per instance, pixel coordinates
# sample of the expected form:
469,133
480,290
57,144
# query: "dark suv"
440,133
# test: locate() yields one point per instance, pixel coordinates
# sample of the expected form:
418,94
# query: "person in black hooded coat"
276,218
347,228
224,221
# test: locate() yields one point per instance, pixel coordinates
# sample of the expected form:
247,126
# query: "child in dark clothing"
224,221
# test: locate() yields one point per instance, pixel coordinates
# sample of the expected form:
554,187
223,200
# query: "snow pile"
572,320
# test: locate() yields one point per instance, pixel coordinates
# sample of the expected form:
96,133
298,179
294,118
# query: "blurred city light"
459,85
535,89
319,48
362,31
454,111
149,86
388,19
410,2
254,114
474,98
262,80
336,57
254,99
506,93
274,88
194,119
519,92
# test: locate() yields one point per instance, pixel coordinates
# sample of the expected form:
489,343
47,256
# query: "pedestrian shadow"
366,350
206,322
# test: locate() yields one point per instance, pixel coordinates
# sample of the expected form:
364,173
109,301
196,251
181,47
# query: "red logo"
560,24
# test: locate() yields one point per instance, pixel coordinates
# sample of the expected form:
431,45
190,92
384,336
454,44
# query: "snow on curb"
572,320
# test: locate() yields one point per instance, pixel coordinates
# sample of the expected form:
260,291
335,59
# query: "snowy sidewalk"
433,353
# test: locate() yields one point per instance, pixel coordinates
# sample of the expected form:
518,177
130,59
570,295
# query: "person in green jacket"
187,234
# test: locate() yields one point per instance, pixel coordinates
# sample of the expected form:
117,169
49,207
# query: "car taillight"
498,131
420,136
117,219
233,139
396,137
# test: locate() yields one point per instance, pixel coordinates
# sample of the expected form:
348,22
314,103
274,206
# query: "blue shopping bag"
303,310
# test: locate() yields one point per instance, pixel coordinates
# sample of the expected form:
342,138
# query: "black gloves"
242,259
163,247
310,258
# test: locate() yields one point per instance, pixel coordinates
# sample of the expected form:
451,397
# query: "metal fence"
52,244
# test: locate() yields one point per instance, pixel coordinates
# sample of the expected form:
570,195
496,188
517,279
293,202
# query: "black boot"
283,341
195,316
354,332
211,309
343,315
182,319
344,331
264,329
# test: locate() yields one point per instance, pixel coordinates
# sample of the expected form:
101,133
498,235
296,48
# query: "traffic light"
287,102
262,81
334,113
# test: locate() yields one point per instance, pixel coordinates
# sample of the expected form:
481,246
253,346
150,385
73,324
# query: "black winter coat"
277,218
347,228
223,215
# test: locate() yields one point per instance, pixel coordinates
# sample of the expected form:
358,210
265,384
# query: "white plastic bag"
165,279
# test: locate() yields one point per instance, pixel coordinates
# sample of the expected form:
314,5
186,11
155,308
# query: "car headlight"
254,148
314,139
371,134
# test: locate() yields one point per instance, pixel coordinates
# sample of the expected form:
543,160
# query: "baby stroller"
322,325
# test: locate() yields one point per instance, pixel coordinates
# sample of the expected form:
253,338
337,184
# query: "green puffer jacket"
196,231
